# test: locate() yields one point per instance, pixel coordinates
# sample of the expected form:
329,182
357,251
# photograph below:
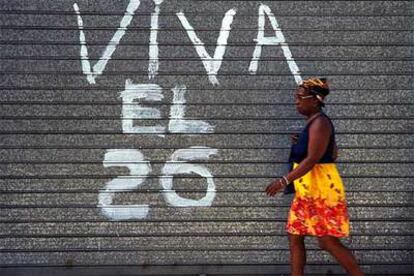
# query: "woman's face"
305,103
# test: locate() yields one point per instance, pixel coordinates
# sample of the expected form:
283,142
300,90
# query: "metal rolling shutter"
65,148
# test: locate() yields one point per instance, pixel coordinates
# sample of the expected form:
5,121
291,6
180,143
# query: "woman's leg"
297,254
342,254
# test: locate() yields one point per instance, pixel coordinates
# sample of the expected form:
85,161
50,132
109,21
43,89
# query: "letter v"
101,64
212,65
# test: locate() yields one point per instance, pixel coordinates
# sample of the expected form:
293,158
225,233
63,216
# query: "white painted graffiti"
177,124
139,170
172,167
154,93
135,96
211,64
122,157
153,49
278,39
99,67
140,167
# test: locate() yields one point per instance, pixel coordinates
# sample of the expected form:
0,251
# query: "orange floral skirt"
319,207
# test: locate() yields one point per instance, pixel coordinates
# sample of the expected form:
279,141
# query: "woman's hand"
274,187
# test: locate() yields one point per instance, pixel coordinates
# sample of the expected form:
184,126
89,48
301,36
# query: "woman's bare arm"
319,133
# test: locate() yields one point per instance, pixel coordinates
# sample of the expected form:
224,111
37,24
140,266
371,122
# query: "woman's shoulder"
321,124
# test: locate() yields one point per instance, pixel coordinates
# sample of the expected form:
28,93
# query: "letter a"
278,39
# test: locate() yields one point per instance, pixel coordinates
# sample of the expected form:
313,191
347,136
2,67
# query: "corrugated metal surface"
67,148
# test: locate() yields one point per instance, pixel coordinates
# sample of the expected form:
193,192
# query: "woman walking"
319,207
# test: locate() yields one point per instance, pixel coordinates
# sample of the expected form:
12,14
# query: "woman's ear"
315,102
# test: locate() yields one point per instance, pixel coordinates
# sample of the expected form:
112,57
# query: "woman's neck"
310,116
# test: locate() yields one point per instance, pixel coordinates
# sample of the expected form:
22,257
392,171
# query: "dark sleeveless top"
299,151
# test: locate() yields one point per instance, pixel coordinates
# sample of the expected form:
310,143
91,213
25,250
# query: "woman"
319,207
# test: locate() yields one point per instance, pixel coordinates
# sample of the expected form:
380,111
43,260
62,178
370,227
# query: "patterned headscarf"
317,87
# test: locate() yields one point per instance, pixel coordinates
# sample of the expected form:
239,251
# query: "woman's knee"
328,243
